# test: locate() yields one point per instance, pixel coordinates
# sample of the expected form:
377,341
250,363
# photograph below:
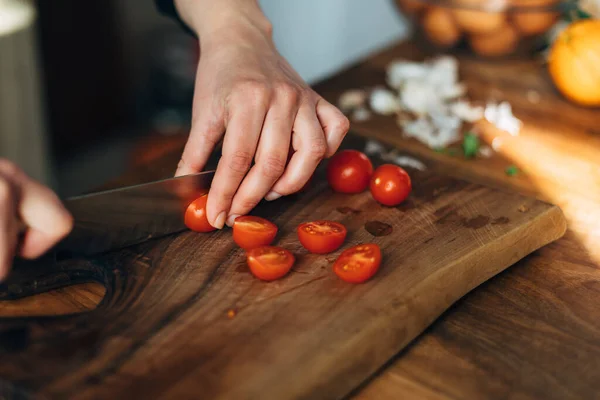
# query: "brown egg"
534,17
473,19
497,43
411,7
440,28
534,23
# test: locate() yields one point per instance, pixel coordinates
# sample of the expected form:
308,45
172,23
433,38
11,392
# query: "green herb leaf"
470,145
511,170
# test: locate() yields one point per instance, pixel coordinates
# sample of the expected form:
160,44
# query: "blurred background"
89,88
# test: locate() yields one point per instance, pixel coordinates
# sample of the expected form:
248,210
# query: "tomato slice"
321,237
269,262
195,216
390,185
250,232
359,263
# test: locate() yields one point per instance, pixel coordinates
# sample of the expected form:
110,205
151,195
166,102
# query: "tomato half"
195,216
321,237
349,171
359,263
269,262
390,185
250,232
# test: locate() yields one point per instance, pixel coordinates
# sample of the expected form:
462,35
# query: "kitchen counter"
530,332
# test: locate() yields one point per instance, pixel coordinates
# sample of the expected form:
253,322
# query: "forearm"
237,20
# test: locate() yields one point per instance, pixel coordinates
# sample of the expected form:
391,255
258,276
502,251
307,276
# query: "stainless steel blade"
122,217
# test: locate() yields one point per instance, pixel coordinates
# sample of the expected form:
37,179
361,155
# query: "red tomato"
390,185
250,232
349,171
321,237
359,263
269,263
195,216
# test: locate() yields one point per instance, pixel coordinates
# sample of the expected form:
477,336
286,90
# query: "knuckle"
239,162
288,92
317,149
254,91
341,125
272,166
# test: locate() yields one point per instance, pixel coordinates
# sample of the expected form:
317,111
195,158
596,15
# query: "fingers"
310,148
272,153
47,220
8,225
44,216
207,129
248,107
334,124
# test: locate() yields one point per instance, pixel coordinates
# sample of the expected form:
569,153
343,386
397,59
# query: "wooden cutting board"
183,317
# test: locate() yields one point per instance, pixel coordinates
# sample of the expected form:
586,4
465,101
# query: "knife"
118,218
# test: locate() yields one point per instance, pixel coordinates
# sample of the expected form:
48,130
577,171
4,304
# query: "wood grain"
164,327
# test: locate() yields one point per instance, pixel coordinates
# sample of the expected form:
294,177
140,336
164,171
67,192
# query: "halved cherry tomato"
349,171
321,237
390,185
359,263
195,216
269,262
250,232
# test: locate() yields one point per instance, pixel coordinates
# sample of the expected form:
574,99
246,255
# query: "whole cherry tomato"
359,263
321,237
390,185
195,216
349,171
250,232
269,263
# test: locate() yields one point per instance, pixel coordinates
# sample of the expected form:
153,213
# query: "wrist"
219,21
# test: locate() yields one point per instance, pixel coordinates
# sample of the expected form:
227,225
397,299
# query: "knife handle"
52,271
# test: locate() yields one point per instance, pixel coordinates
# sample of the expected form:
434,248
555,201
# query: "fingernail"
231,219
272,196
220,221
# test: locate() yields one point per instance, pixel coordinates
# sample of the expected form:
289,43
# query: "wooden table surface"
532,332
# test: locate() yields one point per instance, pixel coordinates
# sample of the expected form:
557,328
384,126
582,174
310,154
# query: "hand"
247,94
23,199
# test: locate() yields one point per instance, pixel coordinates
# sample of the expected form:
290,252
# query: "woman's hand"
24,201
247,94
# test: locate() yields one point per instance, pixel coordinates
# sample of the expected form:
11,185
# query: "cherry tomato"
321,237
269,263
349,171
359,263
390,185
195,216
250,232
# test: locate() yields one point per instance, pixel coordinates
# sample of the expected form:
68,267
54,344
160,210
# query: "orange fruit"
574,62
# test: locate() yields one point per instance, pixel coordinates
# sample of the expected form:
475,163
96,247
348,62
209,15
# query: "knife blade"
126,216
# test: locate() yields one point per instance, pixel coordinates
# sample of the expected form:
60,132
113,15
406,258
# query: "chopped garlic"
485,151
373,147
361,114
383,101
407,161
465,111
352,99
502,117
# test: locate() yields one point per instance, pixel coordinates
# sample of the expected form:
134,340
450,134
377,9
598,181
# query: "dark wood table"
532,332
